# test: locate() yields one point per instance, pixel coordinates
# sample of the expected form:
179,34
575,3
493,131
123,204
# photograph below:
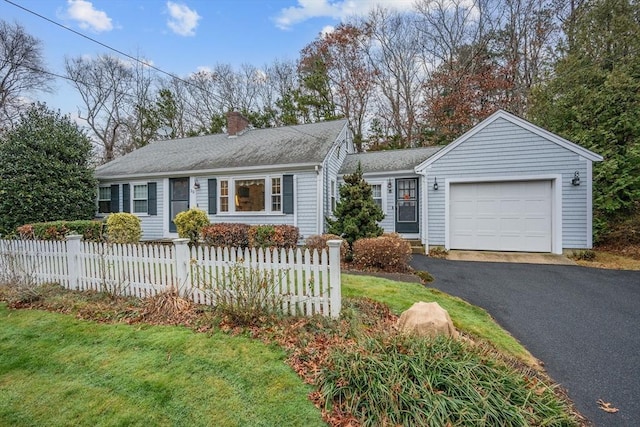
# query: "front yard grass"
470,319
57,370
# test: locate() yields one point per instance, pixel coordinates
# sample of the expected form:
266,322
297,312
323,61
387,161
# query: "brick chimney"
236,123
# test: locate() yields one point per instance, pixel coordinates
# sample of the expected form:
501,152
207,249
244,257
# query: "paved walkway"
583,323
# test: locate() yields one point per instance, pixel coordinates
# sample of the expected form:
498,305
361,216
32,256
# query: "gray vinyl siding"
333,163
152,226
306,202
504,149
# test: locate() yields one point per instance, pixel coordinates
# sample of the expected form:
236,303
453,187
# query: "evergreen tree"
44,171
356,213
594,100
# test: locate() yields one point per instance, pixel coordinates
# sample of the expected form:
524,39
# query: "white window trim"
132,186
98,213
231,180
383,193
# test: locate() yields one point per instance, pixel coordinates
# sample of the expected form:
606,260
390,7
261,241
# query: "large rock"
426,319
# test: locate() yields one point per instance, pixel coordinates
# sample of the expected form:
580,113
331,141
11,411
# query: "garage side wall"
505,150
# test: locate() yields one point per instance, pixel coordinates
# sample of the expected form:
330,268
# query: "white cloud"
88,17
183,21
327,29
340,9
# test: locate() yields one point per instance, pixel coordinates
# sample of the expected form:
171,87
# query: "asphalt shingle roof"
388,161
301,144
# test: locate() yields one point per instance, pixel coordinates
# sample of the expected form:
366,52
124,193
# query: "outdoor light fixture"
435,184
576,178
196,184
389,185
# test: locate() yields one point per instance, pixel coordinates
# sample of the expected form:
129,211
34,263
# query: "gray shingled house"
505,185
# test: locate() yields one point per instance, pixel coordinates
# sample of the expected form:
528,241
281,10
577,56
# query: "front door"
407,205
178,199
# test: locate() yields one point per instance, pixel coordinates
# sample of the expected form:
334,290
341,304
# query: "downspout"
424,226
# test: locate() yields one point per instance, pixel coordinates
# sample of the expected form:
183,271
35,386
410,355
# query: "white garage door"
500,216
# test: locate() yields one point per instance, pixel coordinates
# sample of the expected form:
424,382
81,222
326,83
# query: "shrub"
59,230
261,236
584,255
438,252
123,227
286,236
226,234
247,296
190,223
411,381
319,242
389,252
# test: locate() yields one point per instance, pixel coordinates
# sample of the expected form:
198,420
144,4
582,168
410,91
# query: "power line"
173,76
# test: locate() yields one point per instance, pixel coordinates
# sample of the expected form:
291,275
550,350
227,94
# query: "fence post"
181,262
73,257
335,286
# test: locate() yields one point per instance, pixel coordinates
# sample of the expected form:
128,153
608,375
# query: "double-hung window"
276,194
104,199
376,192
140,198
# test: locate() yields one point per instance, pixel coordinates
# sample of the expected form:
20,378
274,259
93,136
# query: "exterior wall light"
576,178
435,184
389,186
196,184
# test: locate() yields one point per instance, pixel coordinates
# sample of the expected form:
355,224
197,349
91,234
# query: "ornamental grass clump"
247,296
406,380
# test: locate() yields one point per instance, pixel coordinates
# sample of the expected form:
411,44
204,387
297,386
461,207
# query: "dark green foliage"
411,381
356,214
44,171
594,100
58,230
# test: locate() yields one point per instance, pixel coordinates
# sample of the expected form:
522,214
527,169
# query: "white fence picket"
305,281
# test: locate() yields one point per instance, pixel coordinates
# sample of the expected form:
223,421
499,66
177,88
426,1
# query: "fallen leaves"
606,406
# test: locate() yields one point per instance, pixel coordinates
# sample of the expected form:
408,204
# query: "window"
376,191
249,195
104,200
140,196
276,194
333,195
224,196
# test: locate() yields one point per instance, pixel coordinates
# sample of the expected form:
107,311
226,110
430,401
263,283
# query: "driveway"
582,323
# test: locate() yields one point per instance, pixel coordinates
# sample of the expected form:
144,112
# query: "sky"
178,36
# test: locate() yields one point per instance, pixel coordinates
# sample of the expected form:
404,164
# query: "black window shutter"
287,194
152,198
213,195
115,198
126,198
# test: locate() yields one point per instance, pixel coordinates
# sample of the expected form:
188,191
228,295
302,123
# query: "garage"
501,216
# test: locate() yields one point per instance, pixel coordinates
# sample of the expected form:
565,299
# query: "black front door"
407,205
178,199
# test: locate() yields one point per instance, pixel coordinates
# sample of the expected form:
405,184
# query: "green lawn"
56,370
466,317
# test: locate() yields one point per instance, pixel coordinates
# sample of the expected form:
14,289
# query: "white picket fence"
305,282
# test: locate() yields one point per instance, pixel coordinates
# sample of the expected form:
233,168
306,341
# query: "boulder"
426,319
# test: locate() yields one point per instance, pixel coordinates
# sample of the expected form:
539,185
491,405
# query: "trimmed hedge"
58,230
319,243
123,227
389,252
190,223
253,236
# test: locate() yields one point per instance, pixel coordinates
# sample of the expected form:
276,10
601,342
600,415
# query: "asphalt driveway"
582,323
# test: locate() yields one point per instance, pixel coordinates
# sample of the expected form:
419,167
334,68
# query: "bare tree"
395,55
105,84
22,70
